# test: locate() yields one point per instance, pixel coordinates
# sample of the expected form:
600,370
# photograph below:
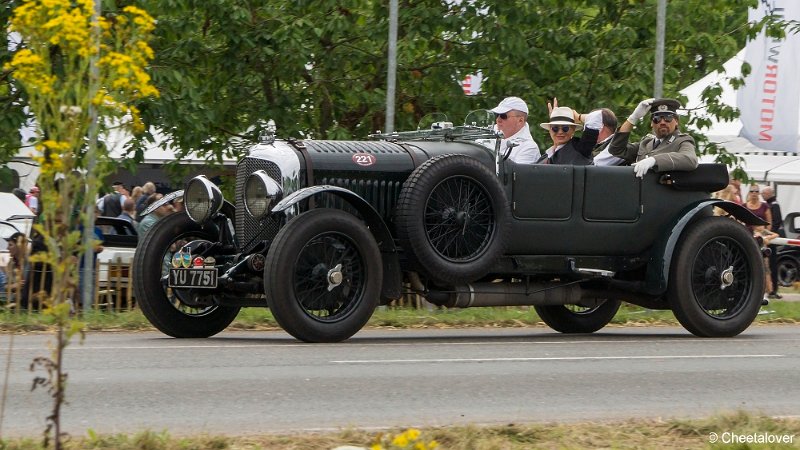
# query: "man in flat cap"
511,117
666,149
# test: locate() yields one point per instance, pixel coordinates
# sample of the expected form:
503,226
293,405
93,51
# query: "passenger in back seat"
666,149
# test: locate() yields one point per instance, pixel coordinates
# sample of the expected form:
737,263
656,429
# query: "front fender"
227,207
661,254
370,215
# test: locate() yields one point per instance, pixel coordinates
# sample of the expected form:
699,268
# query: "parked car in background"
14,217
115,261
789,256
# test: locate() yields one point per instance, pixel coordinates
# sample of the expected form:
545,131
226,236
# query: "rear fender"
391,264
661,255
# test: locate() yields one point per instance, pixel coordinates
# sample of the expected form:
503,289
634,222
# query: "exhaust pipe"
506,294
537,294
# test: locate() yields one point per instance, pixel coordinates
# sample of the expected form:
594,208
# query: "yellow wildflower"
400,440
412,434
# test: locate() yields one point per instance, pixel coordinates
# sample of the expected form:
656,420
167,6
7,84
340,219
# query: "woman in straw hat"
567,149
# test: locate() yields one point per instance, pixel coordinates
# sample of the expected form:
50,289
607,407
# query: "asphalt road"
256,382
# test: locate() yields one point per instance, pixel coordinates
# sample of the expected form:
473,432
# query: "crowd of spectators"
20,279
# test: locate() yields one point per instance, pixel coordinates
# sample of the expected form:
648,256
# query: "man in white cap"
666,149
512,120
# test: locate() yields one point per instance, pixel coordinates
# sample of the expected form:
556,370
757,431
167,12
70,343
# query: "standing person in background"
148,190
111,204
512,119
756,206
20,194
128,210
136,193
776,226
17,268
729,194
763,236
32,200
737,194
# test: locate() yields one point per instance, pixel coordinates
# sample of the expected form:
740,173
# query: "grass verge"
261,318
631,434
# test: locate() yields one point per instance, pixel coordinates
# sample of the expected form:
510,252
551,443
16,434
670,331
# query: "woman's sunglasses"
563,128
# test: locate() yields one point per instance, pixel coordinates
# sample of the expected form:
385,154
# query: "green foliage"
393,317
318,68
12,99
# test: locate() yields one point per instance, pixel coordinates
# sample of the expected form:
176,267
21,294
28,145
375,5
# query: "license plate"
198,278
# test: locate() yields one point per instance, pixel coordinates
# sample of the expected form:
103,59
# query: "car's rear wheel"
716,278
579,318
787,272
453,219
164,307
323,276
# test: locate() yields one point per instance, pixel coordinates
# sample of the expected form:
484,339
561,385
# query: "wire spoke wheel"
453,219
182,313
459,219
716,279
329,277
719,277
323,276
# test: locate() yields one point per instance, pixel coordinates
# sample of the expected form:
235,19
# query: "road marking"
553,358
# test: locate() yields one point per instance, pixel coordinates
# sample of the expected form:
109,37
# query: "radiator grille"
250,231
381,194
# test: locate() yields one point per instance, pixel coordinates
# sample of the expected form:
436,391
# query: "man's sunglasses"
668,118
505,116
563,128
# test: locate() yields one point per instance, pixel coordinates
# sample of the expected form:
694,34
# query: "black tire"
716,279
787,272
159,304
300,265
453,219
578,319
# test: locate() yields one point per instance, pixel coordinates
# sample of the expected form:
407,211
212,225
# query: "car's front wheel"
716,278
166,308
578,318
323,276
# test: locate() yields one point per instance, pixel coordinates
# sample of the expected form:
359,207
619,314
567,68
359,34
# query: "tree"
72,66
318,67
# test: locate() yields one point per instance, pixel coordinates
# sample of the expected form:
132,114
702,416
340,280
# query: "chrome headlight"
202,199
261,193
